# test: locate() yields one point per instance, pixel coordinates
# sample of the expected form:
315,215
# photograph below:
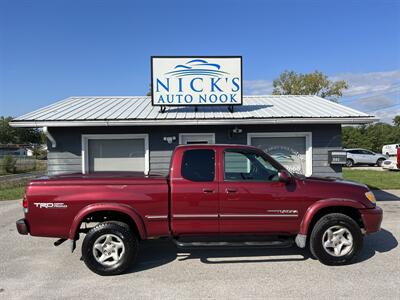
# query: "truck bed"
55,201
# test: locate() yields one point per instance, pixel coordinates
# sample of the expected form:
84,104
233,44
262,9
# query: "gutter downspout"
50,137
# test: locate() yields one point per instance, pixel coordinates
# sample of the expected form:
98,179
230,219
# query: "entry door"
196,138
252,199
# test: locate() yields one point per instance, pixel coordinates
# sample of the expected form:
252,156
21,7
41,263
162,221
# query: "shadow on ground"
156,253
380,242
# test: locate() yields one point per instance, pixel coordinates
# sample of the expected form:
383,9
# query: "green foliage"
316,83
11,135
371,137
12,193
9,164
39,153
396,121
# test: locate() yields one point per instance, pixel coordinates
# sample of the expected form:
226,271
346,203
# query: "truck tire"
335,239
109,248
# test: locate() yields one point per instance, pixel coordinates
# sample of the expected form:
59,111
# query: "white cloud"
258,87
370,83
387,115
375,93
375,101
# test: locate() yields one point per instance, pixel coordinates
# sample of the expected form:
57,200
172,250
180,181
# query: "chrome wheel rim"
337,241
108,249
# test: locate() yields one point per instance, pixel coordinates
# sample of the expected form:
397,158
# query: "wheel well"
94,218
346,210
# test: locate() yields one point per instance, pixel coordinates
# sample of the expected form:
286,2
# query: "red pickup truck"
214,195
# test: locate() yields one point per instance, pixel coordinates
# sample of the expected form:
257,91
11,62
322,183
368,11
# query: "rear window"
198,165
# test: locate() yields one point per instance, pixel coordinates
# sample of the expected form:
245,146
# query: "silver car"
365,157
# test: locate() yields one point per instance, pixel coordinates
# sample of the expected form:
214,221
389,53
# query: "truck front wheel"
109,248
336,239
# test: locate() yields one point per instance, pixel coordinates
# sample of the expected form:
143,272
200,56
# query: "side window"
355,152
366,152
248,166
198,165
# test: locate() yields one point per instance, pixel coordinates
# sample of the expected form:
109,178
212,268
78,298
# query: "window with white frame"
115,152
292,149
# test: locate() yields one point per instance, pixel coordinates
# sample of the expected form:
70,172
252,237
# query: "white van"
390,149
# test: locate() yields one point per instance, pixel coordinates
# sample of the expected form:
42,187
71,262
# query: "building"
89,134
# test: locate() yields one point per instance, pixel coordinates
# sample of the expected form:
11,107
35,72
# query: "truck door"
252,199
194,192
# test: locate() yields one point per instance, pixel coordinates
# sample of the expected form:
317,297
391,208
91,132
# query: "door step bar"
269,243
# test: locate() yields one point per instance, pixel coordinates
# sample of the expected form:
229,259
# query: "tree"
396,121
11,135
316,83
371,137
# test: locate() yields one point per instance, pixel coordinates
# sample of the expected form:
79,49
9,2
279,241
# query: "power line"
385,107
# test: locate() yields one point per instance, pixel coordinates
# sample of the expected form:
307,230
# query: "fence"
24,164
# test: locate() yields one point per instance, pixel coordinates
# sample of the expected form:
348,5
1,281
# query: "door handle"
231,190
206,190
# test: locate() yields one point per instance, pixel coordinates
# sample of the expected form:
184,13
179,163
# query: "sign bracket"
230,108
162,109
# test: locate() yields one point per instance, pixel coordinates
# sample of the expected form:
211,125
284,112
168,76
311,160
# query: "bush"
9,164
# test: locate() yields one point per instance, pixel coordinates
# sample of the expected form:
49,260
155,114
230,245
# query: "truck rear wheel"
336,239
109,248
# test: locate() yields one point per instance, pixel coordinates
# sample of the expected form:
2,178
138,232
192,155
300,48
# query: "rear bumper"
22,227
372,219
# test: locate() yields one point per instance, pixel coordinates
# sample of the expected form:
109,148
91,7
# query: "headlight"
370,196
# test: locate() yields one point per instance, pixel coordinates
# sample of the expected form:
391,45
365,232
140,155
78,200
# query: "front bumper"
22,227
372,219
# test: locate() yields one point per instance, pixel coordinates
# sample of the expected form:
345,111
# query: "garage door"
292,150
116,153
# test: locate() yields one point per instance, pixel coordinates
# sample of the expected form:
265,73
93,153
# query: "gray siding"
66,157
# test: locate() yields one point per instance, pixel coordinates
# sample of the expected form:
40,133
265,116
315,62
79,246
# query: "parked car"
389,165
392,164
363,156
214,195
390,149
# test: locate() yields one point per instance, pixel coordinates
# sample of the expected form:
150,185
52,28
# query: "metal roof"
137,110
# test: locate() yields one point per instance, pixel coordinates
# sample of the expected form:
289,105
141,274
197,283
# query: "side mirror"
284,176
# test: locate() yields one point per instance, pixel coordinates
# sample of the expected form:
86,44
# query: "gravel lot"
33,268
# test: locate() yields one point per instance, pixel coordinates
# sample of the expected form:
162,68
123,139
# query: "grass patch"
374,179
12,193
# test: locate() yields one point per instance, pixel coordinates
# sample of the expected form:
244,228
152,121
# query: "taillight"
25,203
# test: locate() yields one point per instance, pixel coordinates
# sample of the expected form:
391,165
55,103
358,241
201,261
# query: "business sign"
204,80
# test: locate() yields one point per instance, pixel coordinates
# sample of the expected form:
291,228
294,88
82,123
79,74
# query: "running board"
278,243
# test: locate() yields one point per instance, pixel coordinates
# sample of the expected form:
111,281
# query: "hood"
333,180
331,187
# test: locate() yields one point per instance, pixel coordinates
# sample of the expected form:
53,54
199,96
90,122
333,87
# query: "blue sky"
52,49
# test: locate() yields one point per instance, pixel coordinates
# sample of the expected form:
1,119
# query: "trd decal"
50,205
283,211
